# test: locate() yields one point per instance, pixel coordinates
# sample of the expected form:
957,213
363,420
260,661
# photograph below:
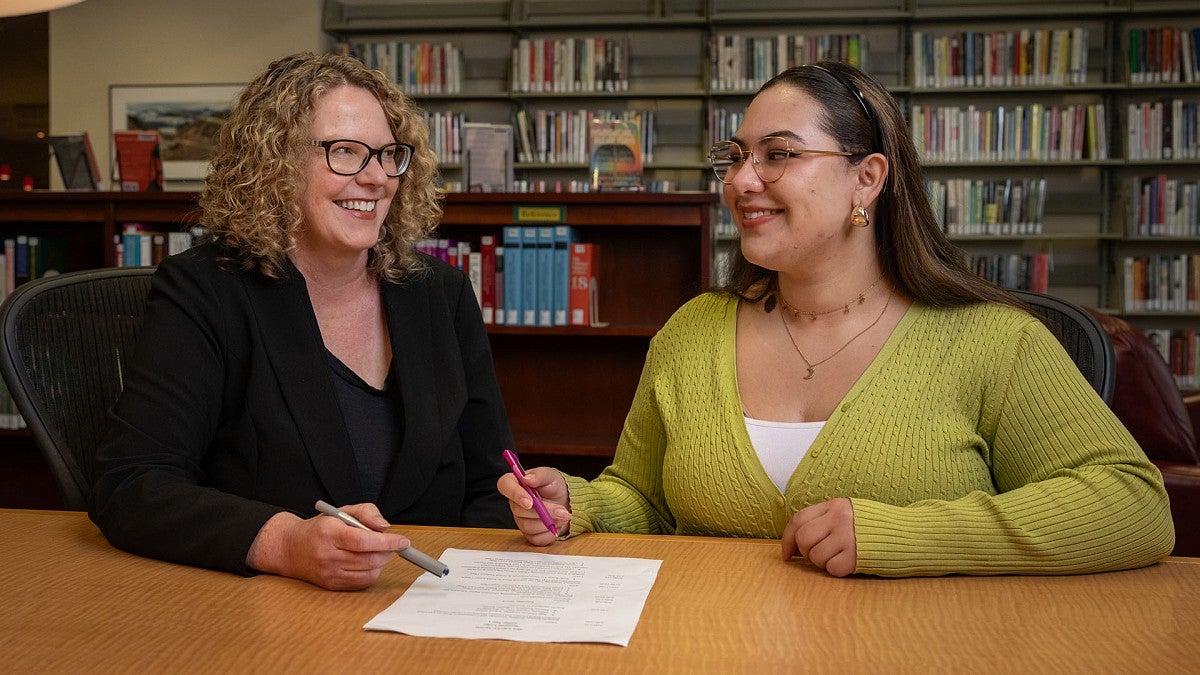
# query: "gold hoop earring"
859,216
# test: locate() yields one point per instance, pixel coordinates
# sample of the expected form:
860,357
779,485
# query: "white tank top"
781,445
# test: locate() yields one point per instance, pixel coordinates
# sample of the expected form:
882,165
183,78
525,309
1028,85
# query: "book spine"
487,277
131,244
545,276
529,276
564,236
499,285
21,261
514,259
582,261
474,270
35,258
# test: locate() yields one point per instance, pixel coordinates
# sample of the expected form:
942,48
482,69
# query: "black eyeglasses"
346,157
769,161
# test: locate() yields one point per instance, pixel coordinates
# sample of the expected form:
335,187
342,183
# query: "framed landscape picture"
186,116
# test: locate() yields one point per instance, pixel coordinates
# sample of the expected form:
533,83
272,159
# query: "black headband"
862,101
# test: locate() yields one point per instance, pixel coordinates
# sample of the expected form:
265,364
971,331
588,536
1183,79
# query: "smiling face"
343,214
803,218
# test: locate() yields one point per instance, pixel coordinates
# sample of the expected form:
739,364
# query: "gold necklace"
857,335
796,313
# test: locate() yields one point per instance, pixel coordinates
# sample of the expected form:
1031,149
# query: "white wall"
98,43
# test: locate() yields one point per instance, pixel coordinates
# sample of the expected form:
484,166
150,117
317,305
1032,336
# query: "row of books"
530,276
1000,58
1034,132
988,207
1163,207
27,257
558,136
1164,54
570,64
745,62
445,135
419,68
1181,350
140,246
1027,272
569,136
723,226
722,123
1163,129
1161,283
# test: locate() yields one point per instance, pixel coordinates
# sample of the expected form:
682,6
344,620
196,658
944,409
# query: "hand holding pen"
324,551
538,500
412,555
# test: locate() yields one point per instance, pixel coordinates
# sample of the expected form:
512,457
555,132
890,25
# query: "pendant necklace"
812,366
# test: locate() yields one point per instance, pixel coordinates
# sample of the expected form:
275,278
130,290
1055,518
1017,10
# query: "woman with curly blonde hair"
308,351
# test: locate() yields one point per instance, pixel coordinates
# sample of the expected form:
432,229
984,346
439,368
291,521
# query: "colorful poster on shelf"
615,155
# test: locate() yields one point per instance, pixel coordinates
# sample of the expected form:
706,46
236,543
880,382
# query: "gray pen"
412,555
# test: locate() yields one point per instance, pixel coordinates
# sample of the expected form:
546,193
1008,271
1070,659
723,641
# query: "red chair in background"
1164,422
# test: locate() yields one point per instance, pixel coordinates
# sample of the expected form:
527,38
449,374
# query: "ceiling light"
19,7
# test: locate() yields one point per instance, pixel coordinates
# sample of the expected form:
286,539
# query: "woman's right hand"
325,551
550,485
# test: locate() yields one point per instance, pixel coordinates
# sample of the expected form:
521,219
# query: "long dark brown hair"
917,258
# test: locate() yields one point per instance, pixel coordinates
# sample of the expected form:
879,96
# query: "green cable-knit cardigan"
970,445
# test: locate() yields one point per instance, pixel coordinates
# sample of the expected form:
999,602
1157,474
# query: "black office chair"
1082,336
65,341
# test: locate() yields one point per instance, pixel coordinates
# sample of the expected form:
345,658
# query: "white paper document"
527,597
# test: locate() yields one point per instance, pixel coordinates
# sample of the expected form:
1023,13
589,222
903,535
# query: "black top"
375,421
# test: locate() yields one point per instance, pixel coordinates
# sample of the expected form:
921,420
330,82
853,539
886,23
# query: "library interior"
1059,146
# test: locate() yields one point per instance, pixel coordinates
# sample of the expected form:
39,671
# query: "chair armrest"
1191,401
1183,487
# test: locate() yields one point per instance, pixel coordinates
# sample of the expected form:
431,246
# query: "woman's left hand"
824,533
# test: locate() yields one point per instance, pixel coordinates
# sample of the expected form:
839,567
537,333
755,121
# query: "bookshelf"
567,388
88,221
1084,230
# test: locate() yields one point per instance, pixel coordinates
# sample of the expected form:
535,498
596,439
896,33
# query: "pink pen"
538,504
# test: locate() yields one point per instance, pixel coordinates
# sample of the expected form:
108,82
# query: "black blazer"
229,414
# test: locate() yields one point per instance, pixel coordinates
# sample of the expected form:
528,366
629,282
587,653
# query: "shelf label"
539,214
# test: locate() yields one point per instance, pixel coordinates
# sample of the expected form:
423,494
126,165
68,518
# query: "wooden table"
69,602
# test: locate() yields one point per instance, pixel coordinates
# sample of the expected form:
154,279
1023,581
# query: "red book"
585,263
139,160
487,277
1040,274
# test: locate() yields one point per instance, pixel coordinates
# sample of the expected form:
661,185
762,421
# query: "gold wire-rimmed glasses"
769,162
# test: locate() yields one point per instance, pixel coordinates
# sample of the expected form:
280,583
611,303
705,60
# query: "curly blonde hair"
252,193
